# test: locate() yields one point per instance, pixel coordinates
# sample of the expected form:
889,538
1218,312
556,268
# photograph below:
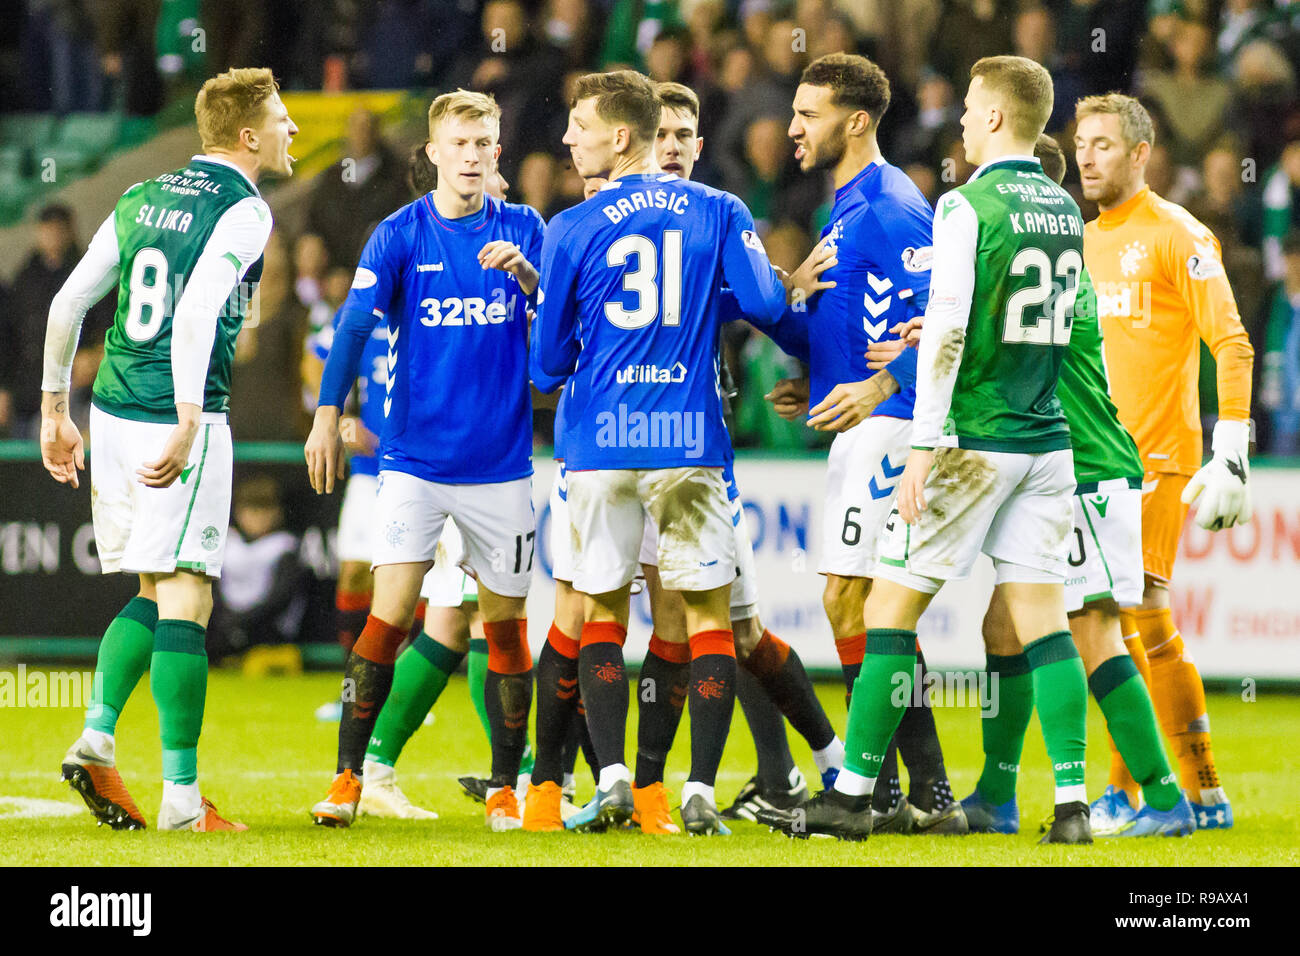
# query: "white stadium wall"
1236,593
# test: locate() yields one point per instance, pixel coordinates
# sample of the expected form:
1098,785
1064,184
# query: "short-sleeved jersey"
1008,251
456,402
880,227
162,227
1160,286
630,309
370,384
1103,448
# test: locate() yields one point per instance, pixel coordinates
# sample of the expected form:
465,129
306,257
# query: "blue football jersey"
880,225
370,384
630,308
456,402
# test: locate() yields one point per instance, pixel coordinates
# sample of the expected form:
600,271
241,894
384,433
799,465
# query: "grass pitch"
265,760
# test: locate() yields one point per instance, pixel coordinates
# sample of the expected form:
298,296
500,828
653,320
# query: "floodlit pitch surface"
265,760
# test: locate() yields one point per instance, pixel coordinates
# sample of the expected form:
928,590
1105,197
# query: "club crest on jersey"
918,260
1204,264
364,278
1130,260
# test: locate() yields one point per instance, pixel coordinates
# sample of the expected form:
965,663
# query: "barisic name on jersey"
645,199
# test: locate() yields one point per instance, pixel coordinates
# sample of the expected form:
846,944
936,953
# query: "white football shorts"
144,530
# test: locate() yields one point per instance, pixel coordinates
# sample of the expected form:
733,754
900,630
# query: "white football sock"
101,743
854,784
691,787
832,755
182,796
611,775
376,772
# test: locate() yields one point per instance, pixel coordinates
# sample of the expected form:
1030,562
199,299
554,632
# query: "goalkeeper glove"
1223,485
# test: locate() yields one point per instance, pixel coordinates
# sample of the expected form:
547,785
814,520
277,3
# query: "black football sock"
660,694
508,696
602,681
779,669
917,739
888,788
767,727
557,703
713,700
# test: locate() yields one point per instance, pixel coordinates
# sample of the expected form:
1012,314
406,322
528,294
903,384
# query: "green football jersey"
162,227
1028,256
1103,448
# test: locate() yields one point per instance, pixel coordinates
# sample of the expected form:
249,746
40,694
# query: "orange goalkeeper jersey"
1160,287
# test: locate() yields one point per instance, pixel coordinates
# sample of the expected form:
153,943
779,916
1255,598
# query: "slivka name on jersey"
683,430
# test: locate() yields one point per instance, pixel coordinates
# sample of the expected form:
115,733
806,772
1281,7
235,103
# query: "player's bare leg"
367,679
90,765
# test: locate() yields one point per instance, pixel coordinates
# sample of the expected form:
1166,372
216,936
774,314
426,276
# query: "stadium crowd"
1218,76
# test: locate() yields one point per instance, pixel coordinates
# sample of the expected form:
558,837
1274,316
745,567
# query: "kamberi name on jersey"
651,374
1047,223
646,199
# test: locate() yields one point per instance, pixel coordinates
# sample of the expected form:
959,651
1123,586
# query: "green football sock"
418,681
124,656
478,658
880,694
1061,695
1131,720
1003,728
178,675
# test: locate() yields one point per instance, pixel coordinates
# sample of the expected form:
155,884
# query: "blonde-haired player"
160,490
1161,288
450,275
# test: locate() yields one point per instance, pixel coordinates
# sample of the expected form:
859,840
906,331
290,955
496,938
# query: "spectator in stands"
311,260
773,188
22,325
524,73
1193,99
1281,208
1281,386
568,26
265,382
923,137
262,594
632,28
350,198
1035,37
126,31
1265,112
537,184
59,46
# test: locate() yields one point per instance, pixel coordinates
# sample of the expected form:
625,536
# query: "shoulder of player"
1176,225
